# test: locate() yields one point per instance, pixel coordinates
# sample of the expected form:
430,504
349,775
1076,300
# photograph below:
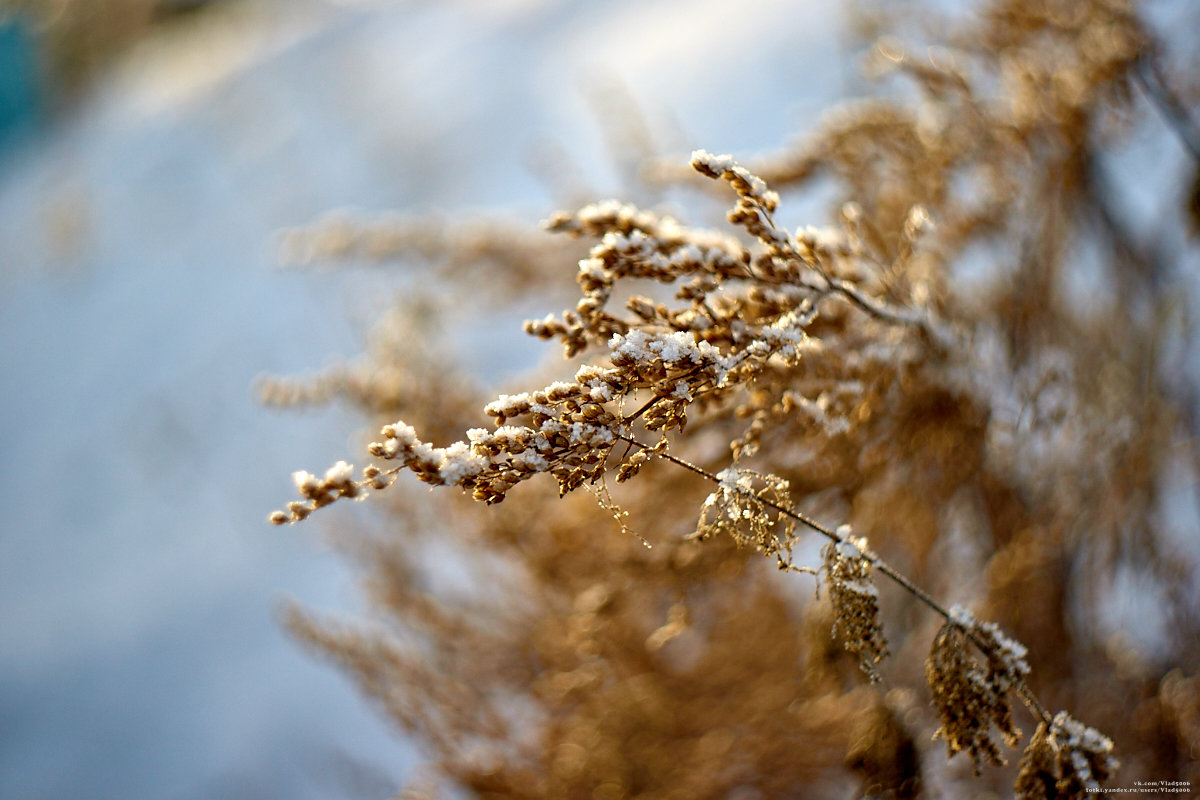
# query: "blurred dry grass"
1020,464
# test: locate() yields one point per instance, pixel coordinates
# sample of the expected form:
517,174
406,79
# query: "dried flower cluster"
996,437
1065,758
574,426
678,356
737,510
847,570
972,697
319,492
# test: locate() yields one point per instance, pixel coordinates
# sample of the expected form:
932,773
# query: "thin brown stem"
653,400
897,577
881,310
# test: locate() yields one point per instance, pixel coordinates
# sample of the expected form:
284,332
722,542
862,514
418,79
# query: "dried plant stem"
878,309
894,315
849,352
1149,76
1027,696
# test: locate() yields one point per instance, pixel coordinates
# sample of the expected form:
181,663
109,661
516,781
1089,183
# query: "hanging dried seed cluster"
972,697
1065,758
847,570
737,510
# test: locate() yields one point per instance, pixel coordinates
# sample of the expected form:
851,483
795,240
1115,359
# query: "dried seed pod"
737,509
1064,759
632,465
847,570
972,697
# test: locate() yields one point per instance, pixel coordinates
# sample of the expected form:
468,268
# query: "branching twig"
1026,694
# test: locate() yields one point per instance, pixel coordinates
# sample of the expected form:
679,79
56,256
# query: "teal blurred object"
19,80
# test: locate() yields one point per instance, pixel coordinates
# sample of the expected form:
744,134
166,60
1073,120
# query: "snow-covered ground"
139,652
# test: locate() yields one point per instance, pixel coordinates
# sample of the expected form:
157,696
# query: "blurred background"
150,151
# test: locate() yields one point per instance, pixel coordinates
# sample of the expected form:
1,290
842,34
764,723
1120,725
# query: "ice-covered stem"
570,425
736,509
568,436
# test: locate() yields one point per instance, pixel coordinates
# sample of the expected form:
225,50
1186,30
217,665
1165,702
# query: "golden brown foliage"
1000,442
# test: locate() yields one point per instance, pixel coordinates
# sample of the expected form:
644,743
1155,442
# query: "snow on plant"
571,430
847,570
837,371
1065,759
972,698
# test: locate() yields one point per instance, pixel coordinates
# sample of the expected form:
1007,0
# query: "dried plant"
738,509
1001,444
972,698
1065,759
855,599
